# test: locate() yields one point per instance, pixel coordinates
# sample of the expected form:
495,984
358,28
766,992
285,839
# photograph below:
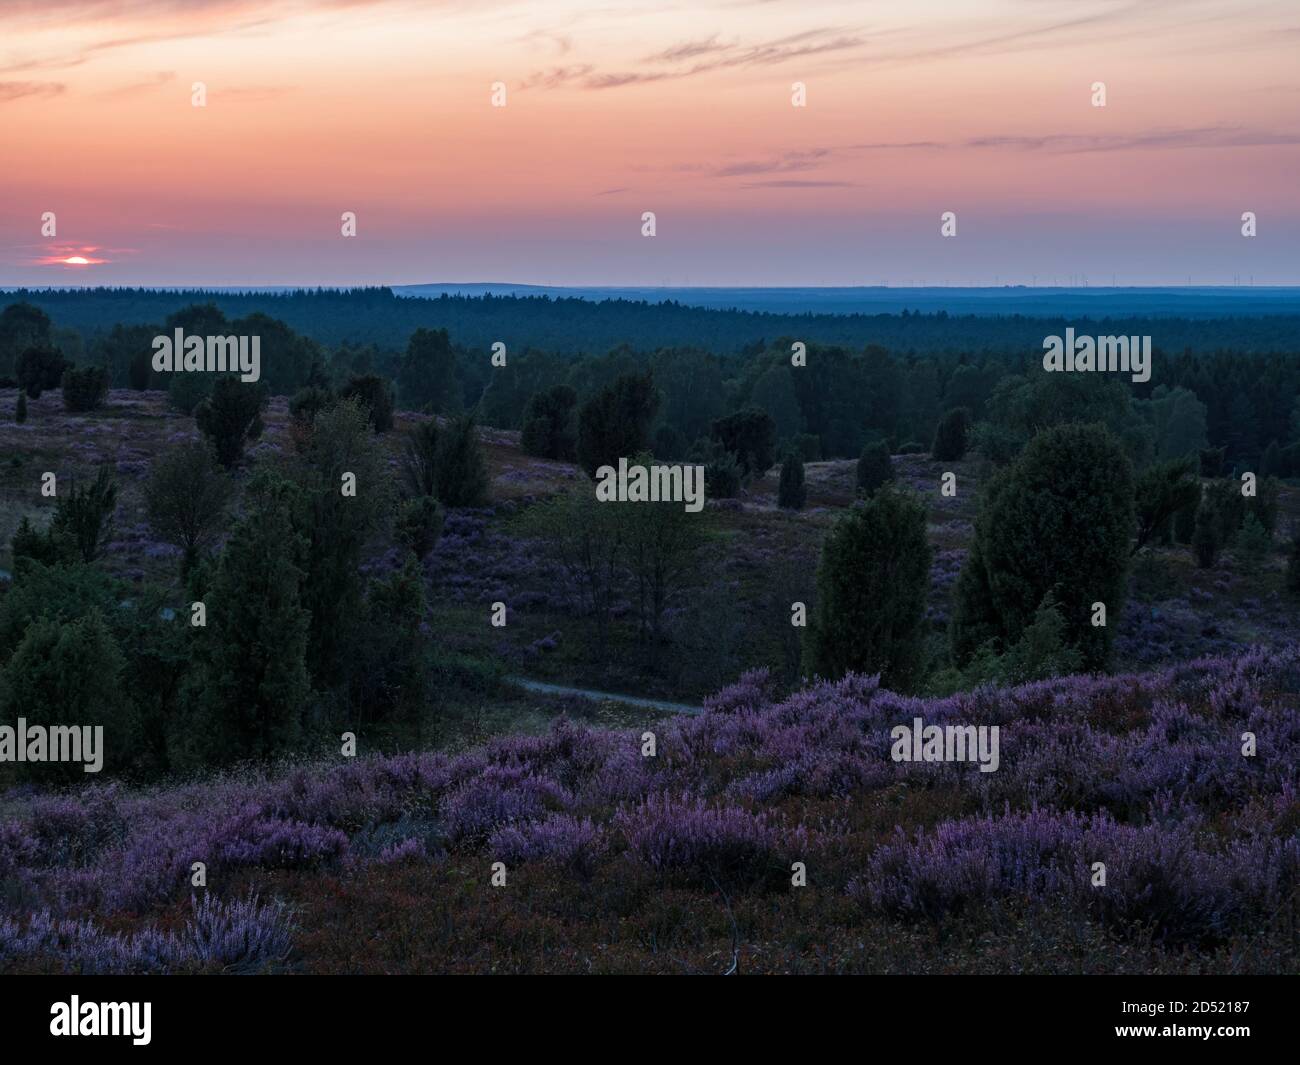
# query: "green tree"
874,467
336,527
85,515
248,694
871,587
588,539
84,389
69,673
39,369
230,417
22,325
663,542
791,493
461,469
1162,491
615,422
392,677
418,466
1179,420
185,499
549,429
950,437
774,394
418,525
750,435
1218,517
1254,543
1059,520
428,377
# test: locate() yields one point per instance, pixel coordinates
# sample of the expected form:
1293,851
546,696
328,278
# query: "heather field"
682,862
771,830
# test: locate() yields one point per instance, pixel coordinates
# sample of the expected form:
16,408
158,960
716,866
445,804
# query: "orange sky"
383,108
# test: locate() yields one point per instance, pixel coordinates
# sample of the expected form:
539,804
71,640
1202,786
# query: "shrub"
874,467
49,547
20,410
185,499
951,437
871,587
85,515
70,674
375,395
750,435
461,470
230,417
708,845
185,391
721,471
1060,520
1254,542
791,493
419,521
1263,504
84,389
307,402
548,424
39,369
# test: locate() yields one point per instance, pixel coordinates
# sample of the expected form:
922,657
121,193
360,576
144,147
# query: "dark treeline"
568,326
1238,408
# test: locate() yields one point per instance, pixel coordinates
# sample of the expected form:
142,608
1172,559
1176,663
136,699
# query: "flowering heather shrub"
242,933
1142,772
407,850
707,843
754,689
576,844
239,934
499,796
1164,876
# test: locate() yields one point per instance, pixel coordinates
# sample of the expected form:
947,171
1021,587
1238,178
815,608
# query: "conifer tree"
871,587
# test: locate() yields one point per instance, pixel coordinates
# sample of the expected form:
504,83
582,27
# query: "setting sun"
77,260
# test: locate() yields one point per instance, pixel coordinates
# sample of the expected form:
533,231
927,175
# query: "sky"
912,108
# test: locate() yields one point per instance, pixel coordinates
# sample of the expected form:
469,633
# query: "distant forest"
578,326
1227,387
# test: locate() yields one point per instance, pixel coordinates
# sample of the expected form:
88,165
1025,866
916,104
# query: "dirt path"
602,697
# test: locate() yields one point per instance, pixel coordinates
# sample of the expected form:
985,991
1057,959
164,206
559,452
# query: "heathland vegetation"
300,607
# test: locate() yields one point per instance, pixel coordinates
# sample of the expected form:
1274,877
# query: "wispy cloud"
794,183
709,55
788,161
136,88
18,90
